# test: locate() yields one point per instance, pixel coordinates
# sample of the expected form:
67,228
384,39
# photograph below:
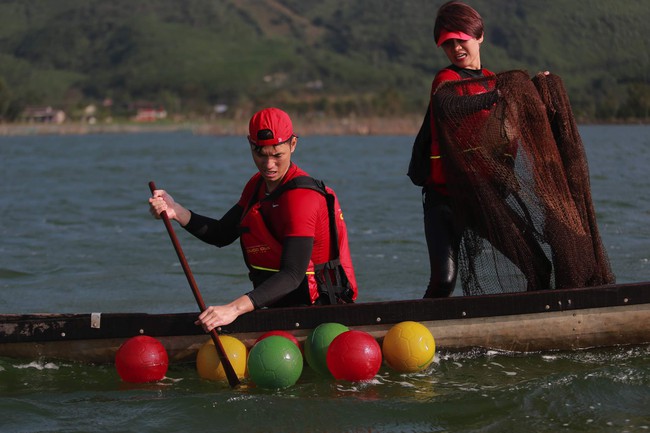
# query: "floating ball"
209,365
275,363
354,356
408,347
317,343
141,359
279,333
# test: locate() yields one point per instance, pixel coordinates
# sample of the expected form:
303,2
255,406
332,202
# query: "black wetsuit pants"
443,241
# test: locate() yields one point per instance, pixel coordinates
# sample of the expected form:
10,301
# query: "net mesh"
518,180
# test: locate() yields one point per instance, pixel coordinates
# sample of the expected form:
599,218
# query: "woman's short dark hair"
457,16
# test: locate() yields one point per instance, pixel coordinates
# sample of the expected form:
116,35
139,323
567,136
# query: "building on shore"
43,115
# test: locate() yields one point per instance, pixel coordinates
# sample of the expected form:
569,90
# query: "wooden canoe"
610,315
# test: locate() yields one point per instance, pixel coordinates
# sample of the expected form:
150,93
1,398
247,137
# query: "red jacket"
263,251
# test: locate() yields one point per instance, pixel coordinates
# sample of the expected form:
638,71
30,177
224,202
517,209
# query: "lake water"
76,236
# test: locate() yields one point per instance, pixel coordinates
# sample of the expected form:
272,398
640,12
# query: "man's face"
273,161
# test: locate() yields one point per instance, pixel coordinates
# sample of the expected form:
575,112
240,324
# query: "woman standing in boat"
290,227
459,32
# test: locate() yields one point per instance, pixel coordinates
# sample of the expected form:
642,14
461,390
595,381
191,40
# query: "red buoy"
141,359
354,356
279,333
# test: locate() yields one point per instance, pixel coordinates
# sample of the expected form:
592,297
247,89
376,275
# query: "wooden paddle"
233,380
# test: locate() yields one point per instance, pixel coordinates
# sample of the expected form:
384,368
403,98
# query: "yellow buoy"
208,364
408,347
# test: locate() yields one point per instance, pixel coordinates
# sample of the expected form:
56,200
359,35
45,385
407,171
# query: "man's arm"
296,253
216,232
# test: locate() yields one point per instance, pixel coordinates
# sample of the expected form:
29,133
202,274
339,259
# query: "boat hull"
520,322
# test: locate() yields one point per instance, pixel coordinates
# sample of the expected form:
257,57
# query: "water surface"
77,237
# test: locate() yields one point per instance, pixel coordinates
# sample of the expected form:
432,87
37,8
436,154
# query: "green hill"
367,57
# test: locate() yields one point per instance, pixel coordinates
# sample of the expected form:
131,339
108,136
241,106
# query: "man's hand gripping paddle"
233,380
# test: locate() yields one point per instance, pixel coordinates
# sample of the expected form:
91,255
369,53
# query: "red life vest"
436,173
262,251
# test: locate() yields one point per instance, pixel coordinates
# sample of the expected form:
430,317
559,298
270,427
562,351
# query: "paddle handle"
233,380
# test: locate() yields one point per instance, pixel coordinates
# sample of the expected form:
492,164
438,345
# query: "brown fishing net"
518,177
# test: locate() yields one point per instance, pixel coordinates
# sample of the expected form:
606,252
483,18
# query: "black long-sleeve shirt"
283,288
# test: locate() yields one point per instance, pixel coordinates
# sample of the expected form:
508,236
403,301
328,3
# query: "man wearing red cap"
290,227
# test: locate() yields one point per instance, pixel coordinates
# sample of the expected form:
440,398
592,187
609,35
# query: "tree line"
203,59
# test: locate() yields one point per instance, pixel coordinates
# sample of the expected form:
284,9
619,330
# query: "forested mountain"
367,57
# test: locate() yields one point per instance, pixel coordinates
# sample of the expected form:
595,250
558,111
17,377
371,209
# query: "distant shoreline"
384,126
305,127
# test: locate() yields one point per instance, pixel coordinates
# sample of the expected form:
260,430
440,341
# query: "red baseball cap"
445,35
269,127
